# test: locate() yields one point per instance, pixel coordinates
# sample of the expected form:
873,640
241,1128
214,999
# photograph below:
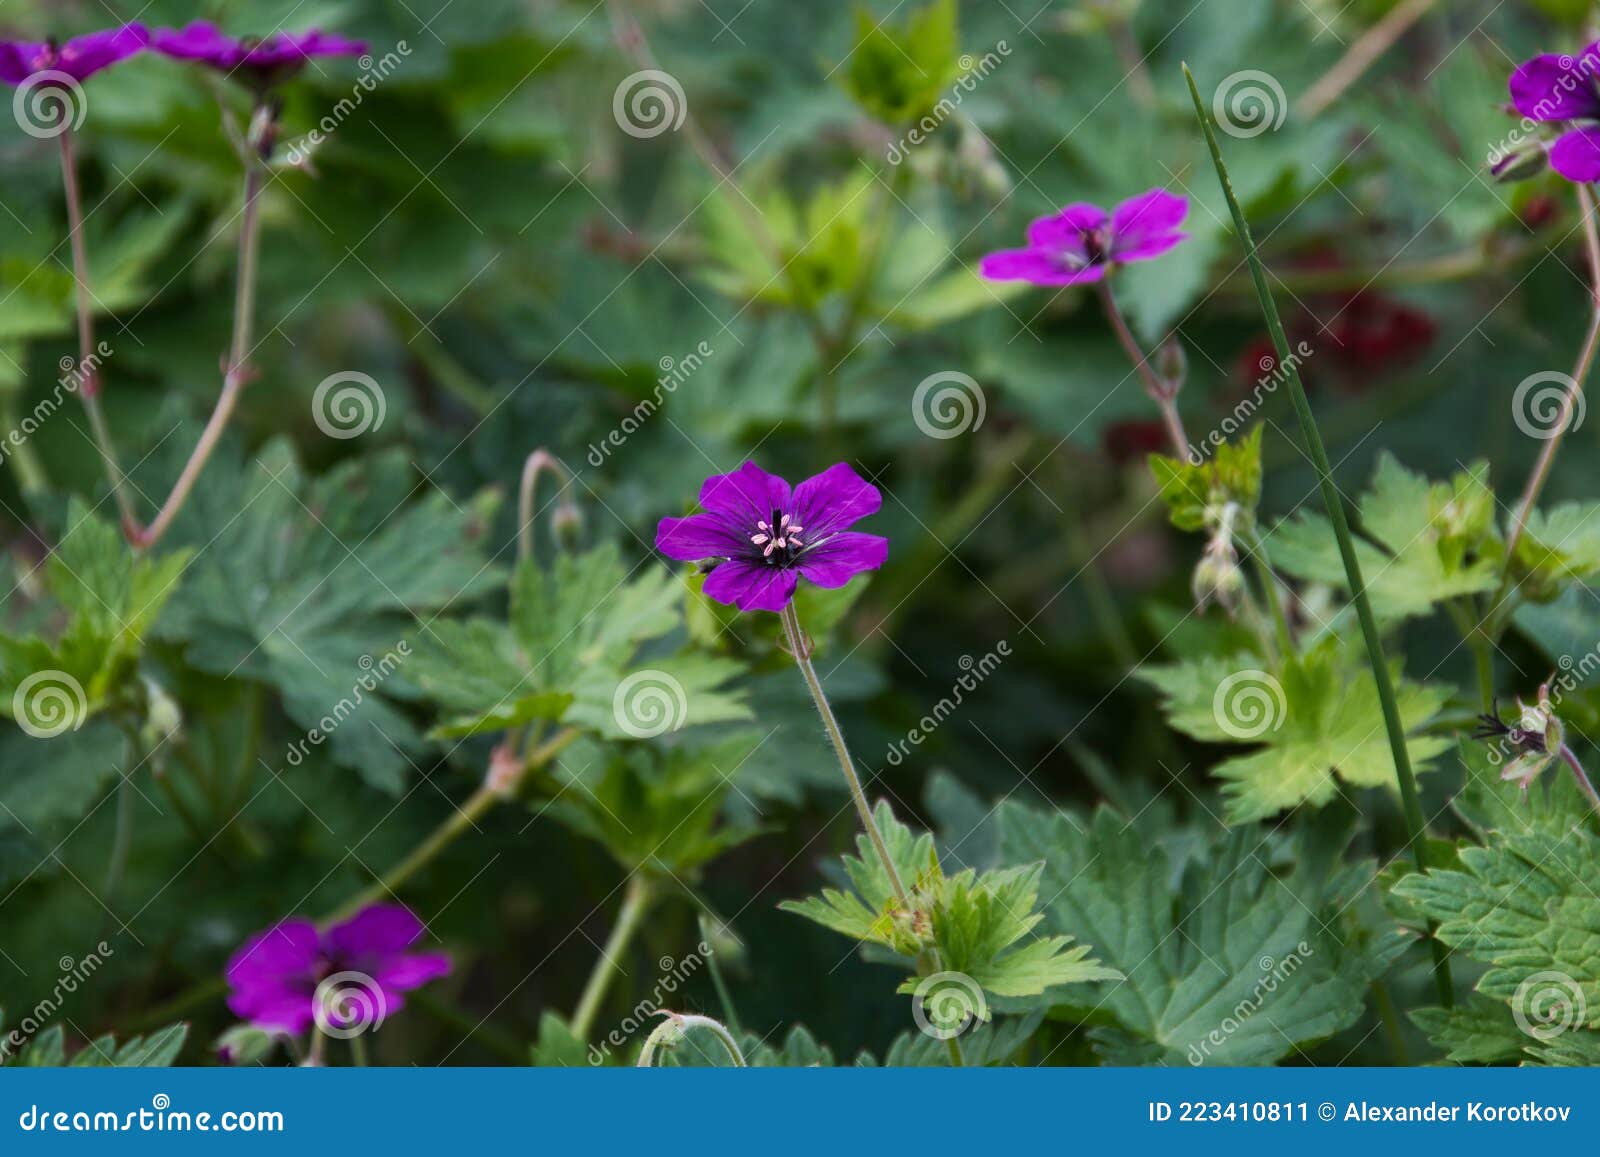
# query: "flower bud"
1172,365
1519,164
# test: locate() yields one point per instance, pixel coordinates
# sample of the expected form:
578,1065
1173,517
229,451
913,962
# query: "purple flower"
275,976
1563,88
73,61
767,535
1082,243
265,59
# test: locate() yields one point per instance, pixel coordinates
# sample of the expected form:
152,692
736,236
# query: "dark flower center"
778,539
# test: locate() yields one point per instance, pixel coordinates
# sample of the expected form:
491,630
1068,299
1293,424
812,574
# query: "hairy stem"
800,648
1161,392
636,901
88,358
1411,805
673,1027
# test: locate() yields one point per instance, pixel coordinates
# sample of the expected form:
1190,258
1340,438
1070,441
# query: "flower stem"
237,373
636,901
1575,384
88,359
673,1027
1571,760
801,650
1359,57
1161,392
1411,805
1269,587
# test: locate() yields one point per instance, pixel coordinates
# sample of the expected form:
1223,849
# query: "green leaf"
1238,965
1479,1032
1196,493
897,71
1321,720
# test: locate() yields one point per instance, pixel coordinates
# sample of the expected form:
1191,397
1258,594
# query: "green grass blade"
1411,804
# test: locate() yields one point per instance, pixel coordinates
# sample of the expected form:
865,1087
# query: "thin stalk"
88,359
1411,804
1580,374
1161,392
1269,588
32,479
122,840
674,1026
724,997
1361,55
636,901
237,374
801,650
541,461
1571,760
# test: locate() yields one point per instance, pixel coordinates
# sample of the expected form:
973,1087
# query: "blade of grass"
1411,804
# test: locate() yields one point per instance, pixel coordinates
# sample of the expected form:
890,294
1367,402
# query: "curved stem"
541,461
1361,55
1411,804
636,900
673,1028
1162,393
1571,760
88,357
800,648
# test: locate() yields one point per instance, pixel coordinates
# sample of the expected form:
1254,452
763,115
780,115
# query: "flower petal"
286,1012
1063,233
838,560
1576,155
1557,88
833,500
407,972
1036,266
377,931
751,586
287,949
746,495
701,536
1146,226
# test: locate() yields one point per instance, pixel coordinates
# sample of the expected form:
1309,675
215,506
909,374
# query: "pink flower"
1082,242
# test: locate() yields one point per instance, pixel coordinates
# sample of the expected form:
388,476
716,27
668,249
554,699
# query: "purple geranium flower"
768,535
275,976
74,60
1082,242
265,59
1564,88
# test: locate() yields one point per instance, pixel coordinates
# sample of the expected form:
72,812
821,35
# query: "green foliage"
898,70
1237,958
156,1051
1196,493
1318,722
